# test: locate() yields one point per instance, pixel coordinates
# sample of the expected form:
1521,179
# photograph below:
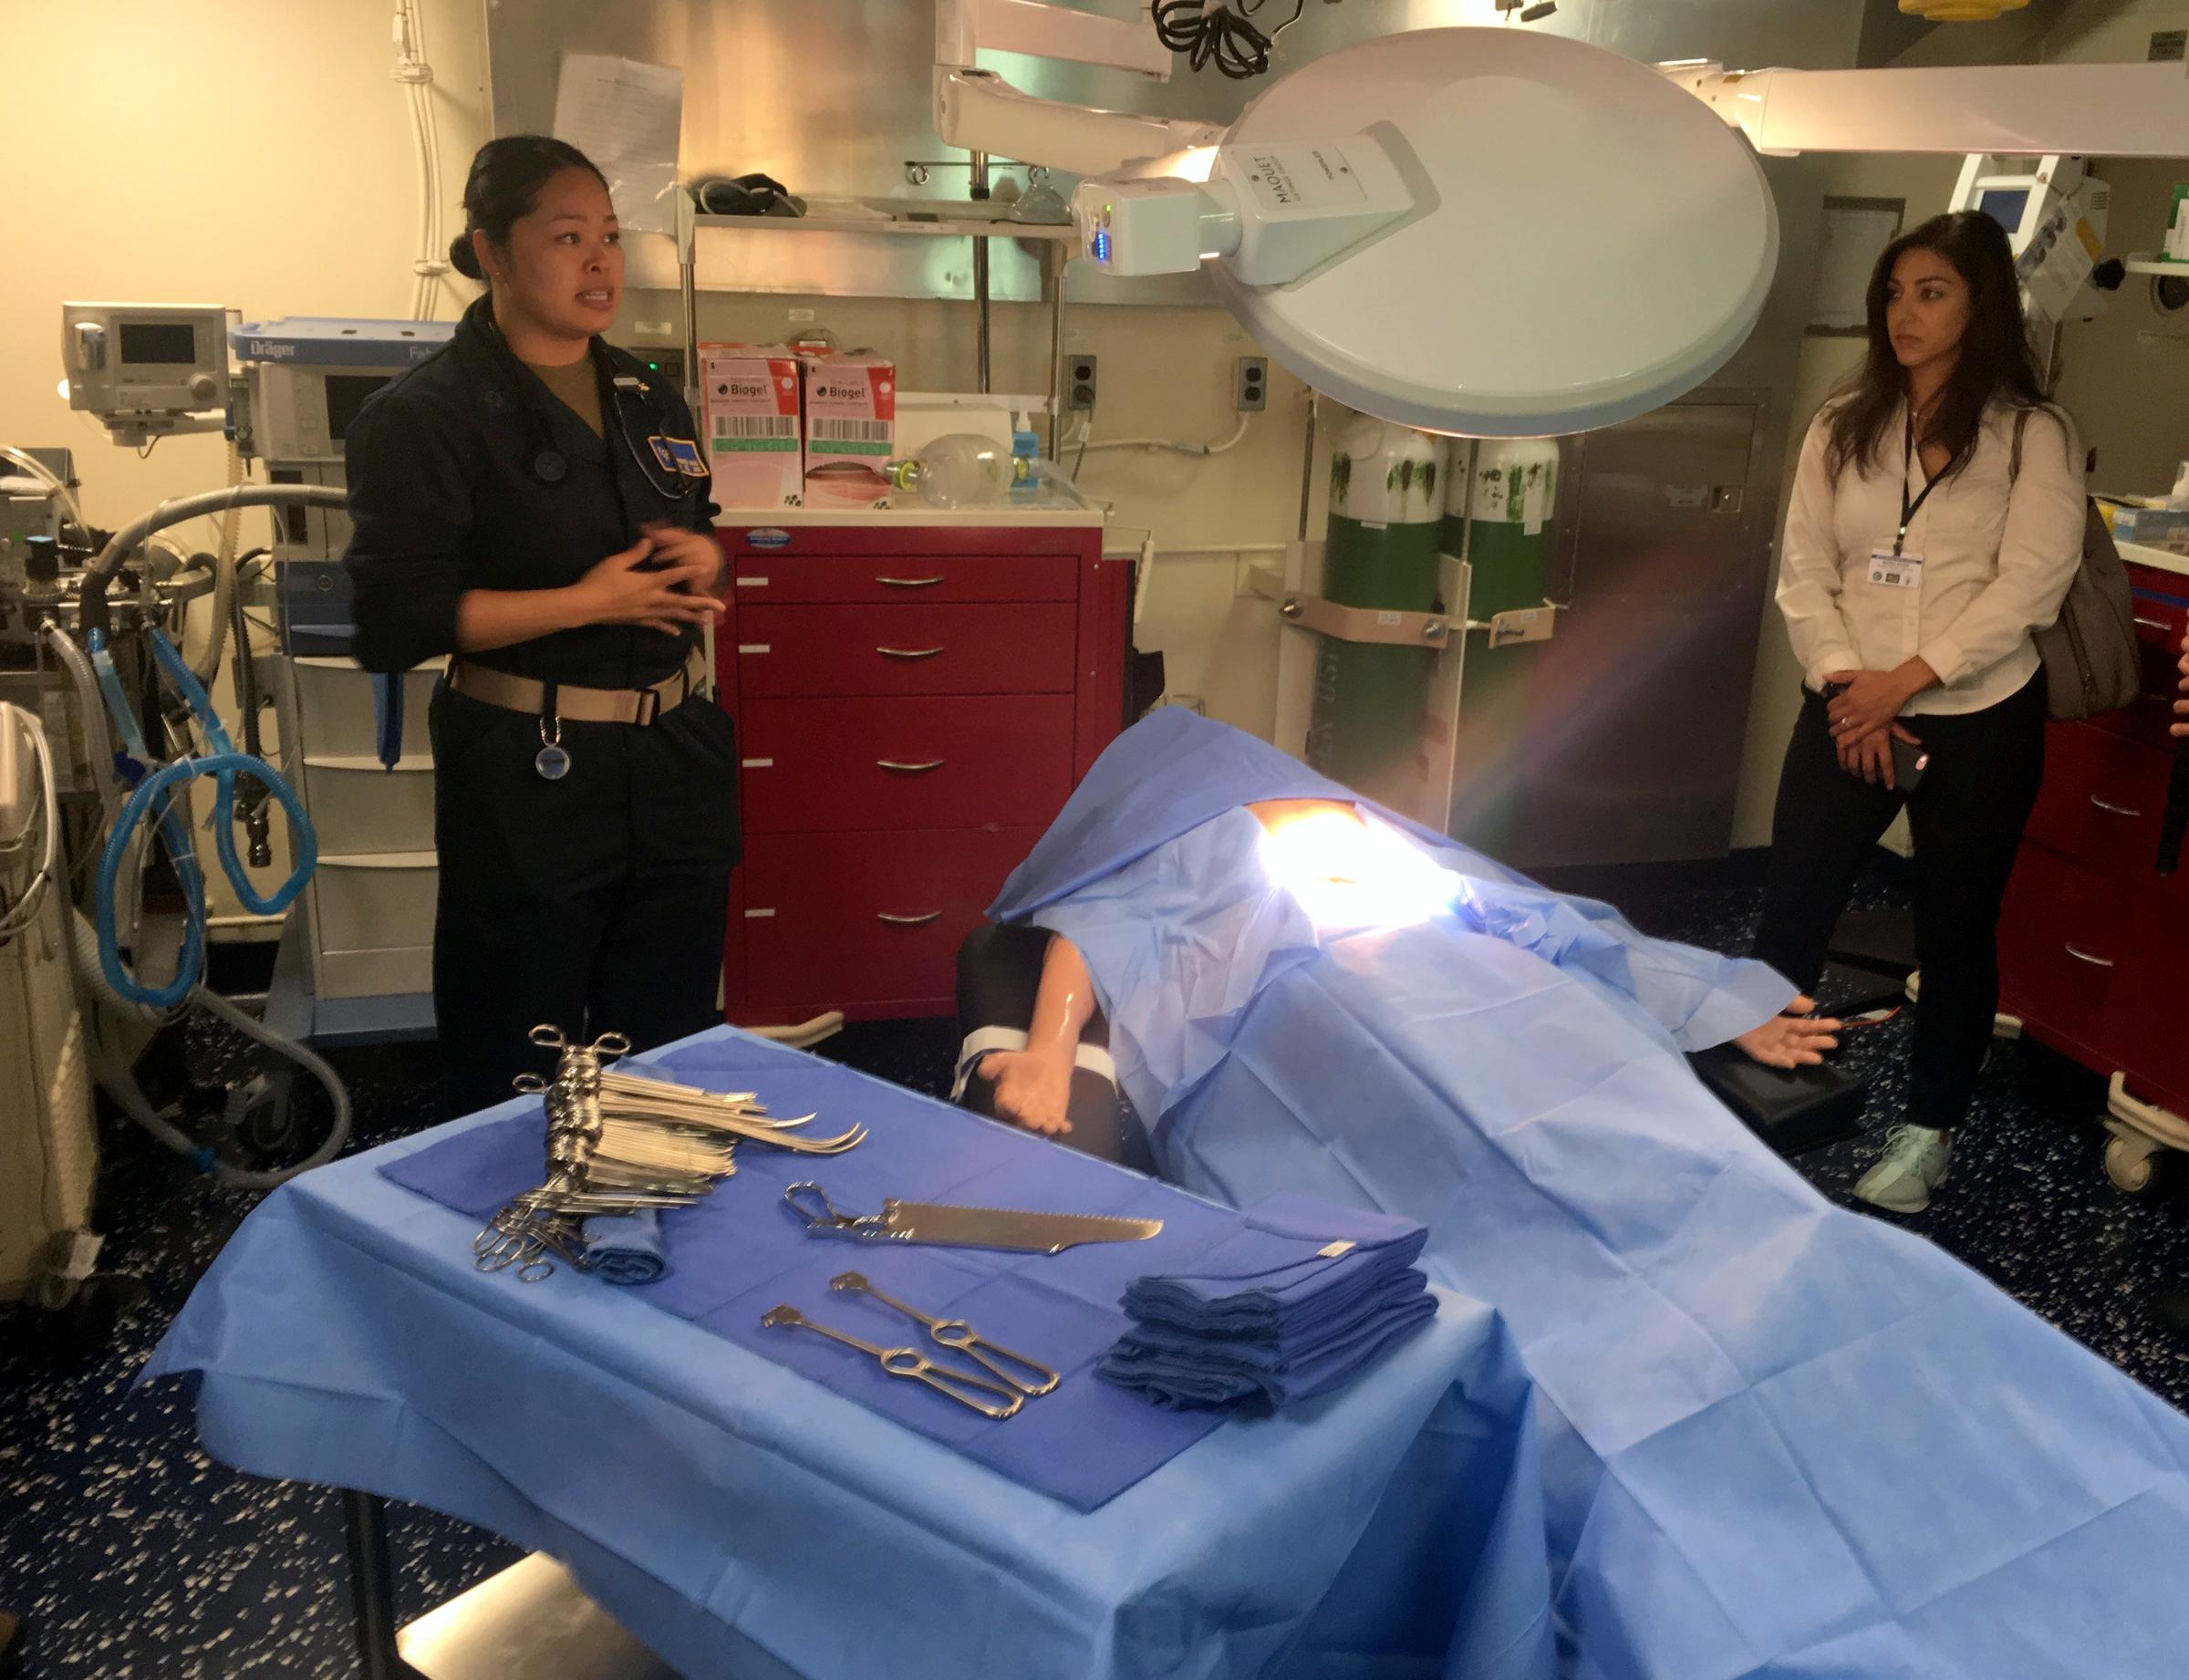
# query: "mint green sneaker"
1913,1165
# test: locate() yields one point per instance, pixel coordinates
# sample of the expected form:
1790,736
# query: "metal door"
1639,720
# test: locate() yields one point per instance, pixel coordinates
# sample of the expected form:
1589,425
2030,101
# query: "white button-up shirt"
1998,559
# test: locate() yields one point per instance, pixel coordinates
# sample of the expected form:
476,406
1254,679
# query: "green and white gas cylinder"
1498,514
1385,495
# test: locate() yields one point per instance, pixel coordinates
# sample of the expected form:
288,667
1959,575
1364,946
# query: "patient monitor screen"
2005,205
170,343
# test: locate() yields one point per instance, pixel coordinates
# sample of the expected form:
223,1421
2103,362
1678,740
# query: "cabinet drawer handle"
2160,625
908,653
909,583
909,770
919,921
2106,805
2096,962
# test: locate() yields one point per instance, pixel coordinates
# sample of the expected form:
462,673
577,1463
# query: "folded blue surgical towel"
1298,1300
626,1247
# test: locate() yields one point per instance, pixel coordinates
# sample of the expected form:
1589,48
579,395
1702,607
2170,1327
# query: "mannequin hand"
1033,1090
1872,699
617,591
1872,757
1795,1038
692,552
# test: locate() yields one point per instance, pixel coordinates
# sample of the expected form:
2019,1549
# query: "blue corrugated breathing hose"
157,791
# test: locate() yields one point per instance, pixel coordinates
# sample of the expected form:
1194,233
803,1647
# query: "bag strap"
2022,424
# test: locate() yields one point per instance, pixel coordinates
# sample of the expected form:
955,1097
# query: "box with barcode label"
850,428
751,417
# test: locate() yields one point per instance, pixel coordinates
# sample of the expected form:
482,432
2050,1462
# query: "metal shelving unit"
978,219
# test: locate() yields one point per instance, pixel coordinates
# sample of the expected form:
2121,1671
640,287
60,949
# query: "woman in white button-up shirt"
1917,563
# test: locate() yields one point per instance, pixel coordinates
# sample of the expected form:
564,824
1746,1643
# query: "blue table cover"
742,1519
742,1252
1778,1439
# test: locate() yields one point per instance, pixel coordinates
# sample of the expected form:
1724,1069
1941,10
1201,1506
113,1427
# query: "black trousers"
595,903
1967,815
998,979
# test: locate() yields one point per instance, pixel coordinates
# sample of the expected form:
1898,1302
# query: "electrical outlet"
1251,394
1081,370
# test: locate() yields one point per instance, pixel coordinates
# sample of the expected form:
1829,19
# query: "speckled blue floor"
131,1555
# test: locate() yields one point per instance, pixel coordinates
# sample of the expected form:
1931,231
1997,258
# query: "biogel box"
750,395
850,411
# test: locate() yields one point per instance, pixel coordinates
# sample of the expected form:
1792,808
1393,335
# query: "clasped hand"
1865,717
2180,707
659,582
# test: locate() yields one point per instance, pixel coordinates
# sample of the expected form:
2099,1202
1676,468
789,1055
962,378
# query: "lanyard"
1908,510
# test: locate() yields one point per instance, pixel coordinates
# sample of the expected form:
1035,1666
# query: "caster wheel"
101,1300
262,1117
2132,1164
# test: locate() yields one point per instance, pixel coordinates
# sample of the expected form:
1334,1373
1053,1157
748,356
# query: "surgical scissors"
512,1239
960,1337
550,1037
907,1362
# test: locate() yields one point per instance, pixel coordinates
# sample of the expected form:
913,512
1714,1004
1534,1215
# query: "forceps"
522,1244
960,1337
908,1362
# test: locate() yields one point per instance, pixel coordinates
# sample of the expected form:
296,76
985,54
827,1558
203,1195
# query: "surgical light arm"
964,26
981,113
979,110
2099,111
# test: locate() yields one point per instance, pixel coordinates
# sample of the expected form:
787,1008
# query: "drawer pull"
921,921
908,653
909,770
2106,805
2096,962
2160,625
909,583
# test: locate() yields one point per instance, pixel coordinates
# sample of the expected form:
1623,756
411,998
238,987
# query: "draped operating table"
753,1510
1777,1437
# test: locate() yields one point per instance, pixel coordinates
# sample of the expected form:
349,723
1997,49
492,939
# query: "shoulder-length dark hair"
1997,362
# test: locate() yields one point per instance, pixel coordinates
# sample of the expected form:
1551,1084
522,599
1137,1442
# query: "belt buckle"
650,708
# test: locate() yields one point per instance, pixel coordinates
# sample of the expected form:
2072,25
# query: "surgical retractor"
1014,1370
908,1362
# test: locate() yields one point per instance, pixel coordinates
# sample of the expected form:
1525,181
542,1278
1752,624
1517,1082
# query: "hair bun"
463,259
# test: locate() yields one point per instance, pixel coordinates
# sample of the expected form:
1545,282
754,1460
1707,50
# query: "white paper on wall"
627,117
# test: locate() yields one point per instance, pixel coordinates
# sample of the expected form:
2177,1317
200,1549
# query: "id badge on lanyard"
1894,567
1895,570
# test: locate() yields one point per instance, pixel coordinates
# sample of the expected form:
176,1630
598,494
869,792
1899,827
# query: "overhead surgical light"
1446,228
1496,233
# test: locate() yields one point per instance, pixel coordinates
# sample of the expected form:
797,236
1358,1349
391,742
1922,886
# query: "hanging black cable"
1213,31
